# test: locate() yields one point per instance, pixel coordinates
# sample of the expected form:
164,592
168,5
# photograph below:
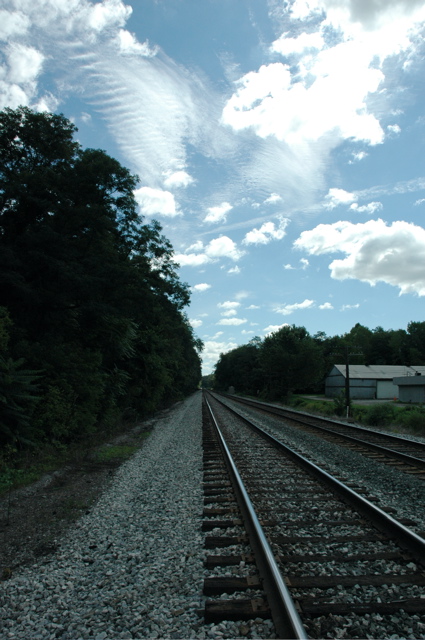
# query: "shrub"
380,415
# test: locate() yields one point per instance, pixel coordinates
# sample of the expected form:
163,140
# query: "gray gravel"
390,488
132,567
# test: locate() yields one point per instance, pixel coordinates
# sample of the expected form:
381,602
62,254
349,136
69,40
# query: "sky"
280,144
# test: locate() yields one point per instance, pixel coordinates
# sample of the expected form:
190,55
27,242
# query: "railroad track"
406,455
350,569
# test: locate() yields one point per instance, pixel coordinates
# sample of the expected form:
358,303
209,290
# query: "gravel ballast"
132,567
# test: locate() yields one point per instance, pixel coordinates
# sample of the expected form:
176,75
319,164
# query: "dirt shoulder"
34,519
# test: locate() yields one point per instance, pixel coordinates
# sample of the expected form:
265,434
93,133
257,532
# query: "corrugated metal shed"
368,381
379,371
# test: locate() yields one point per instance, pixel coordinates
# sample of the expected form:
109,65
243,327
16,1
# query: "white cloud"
228,305
201,287
234,270
253,306
191,259
367,208
156,202
287,309
288,267
274,327
266,233
394,128
218,214
418,202
357,157
375,252
305,41
335,197
272,199
347,307
196,323
107,14
325,306
13,23
128,45
304,263
232,321
246,332
178,179
229,313
222,247
24,63
212,350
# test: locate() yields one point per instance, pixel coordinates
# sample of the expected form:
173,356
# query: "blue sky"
280,144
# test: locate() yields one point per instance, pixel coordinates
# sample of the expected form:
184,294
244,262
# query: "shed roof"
379,371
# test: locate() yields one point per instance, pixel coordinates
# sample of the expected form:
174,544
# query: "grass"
400,419
19,469
115,453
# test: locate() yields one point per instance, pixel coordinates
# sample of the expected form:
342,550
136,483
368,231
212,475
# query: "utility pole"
347,377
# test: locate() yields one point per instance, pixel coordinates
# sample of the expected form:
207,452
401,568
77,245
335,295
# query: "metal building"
411,388
369,381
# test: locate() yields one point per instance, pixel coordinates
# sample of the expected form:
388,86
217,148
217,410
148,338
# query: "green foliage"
116,452
18,395
380,415
90,294
340,405
291,361
413,419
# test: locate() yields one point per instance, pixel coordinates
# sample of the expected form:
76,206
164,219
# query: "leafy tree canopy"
90,293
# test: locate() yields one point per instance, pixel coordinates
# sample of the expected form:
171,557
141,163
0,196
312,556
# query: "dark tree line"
92,322
291,360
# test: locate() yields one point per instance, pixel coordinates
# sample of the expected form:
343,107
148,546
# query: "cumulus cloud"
178,179
128,45
267,232
272,199
287,309
219,213
156,202
198,254
229,313
335,197
229,304
325,306
203,286
195,323
375,252
367,208
212,351
332,84
13,23
232,321
274,327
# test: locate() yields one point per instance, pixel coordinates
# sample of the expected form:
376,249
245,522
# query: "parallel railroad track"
351,569
406,455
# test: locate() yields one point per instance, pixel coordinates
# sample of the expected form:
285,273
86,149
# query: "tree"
291,360
92,291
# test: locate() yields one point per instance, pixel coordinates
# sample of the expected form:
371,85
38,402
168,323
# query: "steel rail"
407,538
404,457
284,613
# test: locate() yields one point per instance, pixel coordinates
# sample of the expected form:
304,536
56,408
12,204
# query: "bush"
380,415
413,419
